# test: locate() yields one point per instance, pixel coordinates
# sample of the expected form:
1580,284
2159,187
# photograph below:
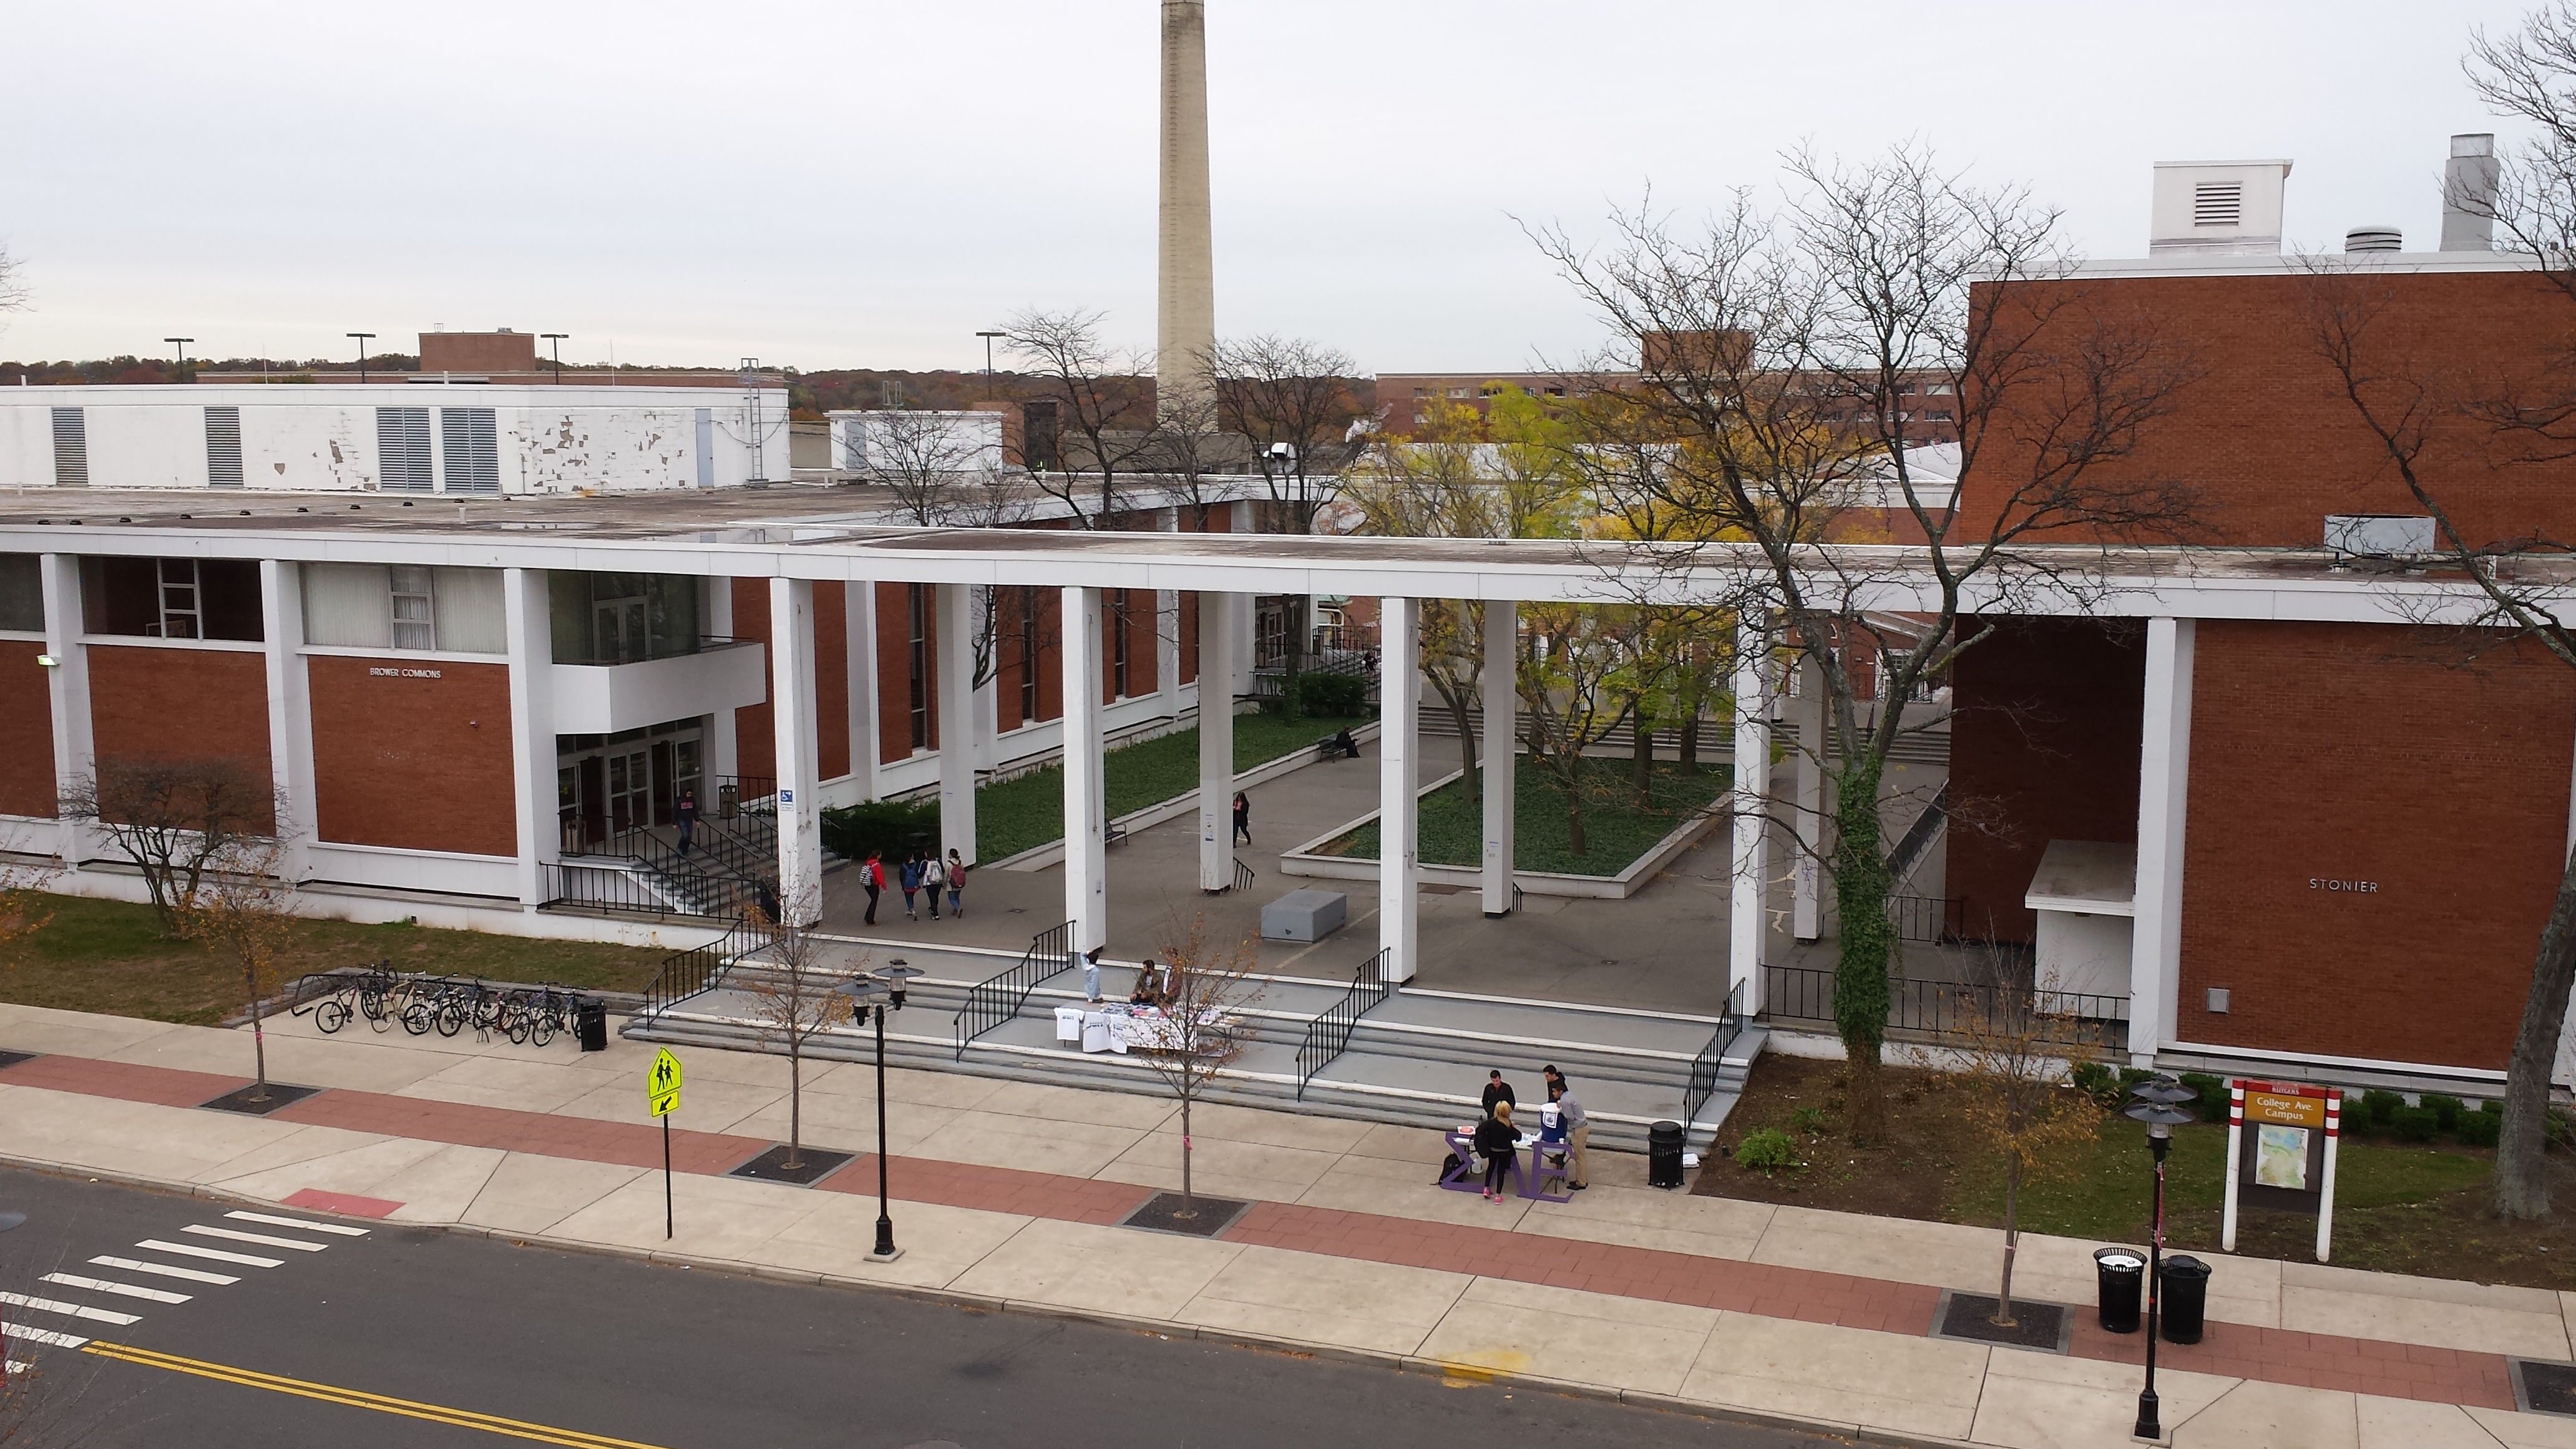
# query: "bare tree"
1200,1031
797,997
928,461
15,294
1195,460
242,909
1291,400
1754,341
23,913
1573,660
175,818
1106,399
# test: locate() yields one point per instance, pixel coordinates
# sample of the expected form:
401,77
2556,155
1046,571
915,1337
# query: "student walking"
1242,818
1498,1142
932,879
872,876
910,879
956,884
687,813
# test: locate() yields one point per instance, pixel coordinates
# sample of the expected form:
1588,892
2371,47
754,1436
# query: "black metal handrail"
625,885
1804,993
1925,919
1243,876
1918,836
686,973
1712,1058
1329,1034
748,792
998,998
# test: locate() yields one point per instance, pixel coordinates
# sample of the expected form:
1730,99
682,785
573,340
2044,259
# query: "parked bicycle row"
422,1003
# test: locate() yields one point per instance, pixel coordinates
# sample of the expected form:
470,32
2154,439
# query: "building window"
171,598
22,593
406,606
1118,644
223,448
413,626
917,600
181,616
402,450
71,448
472,438
1028,656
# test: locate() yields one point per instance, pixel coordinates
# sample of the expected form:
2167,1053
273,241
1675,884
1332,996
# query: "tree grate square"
1969,1317
11,1059
813,1164
277,1094
1161,1213
2544,1388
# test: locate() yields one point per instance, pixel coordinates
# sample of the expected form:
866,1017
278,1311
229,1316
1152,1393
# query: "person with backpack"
872,879
956,884
933,878
910,879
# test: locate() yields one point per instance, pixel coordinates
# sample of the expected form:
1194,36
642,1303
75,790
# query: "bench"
1328,747
1111,832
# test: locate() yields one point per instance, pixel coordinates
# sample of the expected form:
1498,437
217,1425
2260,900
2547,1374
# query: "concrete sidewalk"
1007,1192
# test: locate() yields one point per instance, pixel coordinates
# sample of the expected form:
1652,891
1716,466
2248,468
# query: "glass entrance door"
630,789
620,628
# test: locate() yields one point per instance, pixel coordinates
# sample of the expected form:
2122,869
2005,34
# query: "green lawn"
1617,831
1026,812
109,956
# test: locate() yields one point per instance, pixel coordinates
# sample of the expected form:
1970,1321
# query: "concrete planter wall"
1306,859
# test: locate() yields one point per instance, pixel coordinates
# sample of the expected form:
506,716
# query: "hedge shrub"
2377,1105
1332,696
2446,1108
1767,1150
2414,1124
885,826
2213,1095
2481,1129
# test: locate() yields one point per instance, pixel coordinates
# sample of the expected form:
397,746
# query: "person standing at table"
1578,1133
1497,1141
1549,1076
1498,1090
1089,961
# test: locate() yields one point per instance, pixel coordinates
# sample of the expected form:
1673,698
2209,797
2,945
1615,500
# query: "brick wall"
161,703
413,763
26,730
894,669
478,352
755,736
832,678
2043,746
2357,753
2265,430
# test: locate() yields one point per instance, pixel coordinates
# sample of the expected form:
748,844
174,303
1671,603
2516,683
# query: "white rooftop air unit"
2469,183
2379,535
2374,239
2217,208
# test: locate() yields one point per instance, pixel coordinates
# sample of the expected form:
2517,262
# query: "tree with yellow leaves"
243,909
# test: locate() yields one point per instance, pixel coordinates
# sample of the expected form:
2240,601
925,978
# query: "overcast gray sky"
866,184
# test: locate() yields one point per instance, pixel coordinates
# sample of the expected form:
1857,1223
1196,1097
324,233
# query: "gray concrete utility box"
1305,915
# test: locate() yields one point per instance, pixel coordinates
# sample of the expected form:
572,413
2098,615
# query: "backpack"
932,874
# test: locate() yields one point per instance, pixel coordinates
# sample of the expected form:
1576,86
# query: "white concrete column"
75,756
1216,739
1399,829
290,715
1086,866
1808,913
1747,860
1500,750
800,765
2164,791
723,757
527,613
956,630
859,611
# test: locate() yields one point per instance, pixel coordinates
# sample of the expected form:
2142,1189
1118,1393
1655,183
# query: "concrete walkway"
1007,1192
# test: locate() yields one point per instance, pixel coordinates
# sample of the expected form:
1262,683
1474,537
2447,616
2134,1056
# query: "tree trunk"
2521,1171
1189,1204
2012,1236
1571,772
1861,963
258,1036
1642,754
1456,698
1689,744
795,1106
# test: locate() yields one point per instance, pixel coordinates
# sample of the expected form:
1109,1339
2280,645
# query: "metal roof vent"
2217,208
2374,239
2469,184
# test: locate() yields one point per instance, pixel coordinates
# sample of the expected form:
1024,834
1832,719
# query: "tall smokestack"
2469,194
1185,282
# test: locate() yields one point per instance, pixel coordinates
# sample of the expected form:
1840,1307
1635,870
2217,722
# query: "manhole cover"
2544,1388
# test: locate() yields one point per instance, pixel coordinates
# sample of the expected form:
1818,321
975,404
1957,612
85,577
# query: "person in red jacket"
872,876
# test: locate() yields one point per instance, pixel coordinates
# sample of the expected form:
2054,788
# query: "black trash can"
1664,1155
590,1021
2119,1285
2184,1303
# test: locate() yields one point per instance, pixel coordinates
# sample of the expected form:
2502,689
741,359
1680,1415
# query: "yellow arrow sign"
662,1083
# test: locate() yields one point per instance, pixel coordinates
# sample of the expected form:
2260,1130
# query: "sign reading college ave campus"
662,1083
2281,1140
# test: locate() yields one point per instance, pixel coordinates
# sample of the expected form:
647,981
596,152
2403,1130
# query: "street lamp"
182,344
557,338
988,359
2157,1102
876,993
363,338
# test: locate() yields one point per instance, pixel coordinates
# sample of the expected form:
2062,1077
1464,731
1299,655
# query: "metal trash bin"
728,801
590,1022
2184,1302
2119,1287
1664,1155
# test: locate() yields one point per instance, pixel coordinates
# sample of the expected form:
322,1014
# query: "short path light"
2157,1102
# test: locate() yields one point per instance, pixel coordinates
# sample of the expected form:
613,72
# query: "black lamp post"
557,338
2157,1102
182,343
362,339
876,993
988,359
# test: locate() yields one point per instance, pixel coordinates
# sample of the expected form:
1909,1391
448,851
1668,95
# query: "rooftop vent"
2374,239
2469,194
2217,208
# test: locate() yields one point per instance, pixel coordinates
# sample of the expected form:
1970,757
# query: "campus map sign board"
2281,1141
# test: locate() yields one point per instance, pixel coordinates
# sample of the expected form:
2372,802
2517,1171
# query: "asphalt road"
403,1336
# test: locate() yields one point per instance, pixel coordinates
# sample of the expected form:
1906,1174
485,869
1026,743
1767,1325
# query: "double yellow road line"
359,1398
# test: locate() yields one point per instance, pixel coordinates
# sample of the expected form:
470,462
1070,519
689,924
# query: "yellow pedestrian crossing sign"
662,1083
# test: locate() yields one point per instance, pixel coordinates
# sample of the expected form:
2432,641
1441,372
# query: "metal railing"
662,893
998,999
1925,919
1330,1033
747,792
686,973
1927,827
1938,1008
1243,876
1712,1058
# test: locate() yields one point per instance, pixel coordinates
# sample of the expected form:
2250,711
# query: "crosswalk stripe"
69,1310
337,1229
16,1367
164,1270
263,1239
42,1335
101,1285
186,1250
